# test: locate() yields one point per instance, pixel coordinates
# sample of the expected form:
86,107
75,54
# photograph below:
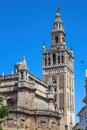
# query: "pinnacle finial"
44,45
58,9
86,72
23,59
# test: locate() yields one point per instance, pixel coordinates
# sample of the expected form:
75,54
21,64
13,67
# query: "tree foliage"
1,128
4,110
1,99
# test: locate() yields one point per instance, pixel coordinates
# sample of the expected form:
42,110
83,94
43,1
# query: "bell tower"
58,34
58,63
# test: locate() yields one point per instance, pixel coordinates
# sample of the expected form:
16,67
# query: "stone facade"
58,64
30,101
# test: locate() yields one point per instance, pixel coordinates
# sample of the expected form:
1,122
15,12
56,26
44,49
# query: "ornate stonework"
30,100
58,64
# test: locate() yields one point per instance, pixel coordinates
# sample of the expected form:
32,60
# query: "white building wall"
83,119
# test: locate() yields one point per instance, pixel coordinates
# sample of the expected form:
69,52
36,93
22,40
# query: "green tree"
1,99
1,128
4,111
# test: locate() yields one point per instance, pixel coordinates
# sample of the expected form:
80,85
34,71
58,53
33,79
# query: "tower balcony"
54,66
54,30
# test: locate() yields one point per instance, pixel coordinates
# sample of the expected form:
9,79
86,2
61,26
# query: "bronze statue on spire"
58,9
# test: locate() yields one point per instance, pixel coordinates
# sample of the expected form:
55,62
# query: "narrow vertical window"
45,61
21,75
56,39
58,59
48,61
54,59
62,59
59,26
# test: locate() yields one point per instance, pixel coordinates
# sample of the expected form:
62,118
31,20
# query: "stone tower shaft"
58,63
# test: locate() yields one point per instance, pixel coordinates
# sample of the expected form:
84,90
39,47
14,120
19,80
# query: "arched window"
21,75
56,39
54,59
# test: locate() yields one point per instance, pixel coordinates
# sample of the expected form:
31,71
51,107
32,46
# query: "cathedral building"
30,101
46,104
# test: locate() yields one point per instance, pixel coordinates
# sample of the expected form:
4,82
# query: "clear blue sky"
24,24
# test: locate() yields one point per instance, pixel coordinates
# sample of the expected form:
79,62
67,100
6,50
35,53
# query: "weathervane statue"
58,9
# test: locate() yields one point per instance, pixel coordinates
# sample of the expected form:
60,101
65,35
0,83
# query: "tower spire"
57,32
